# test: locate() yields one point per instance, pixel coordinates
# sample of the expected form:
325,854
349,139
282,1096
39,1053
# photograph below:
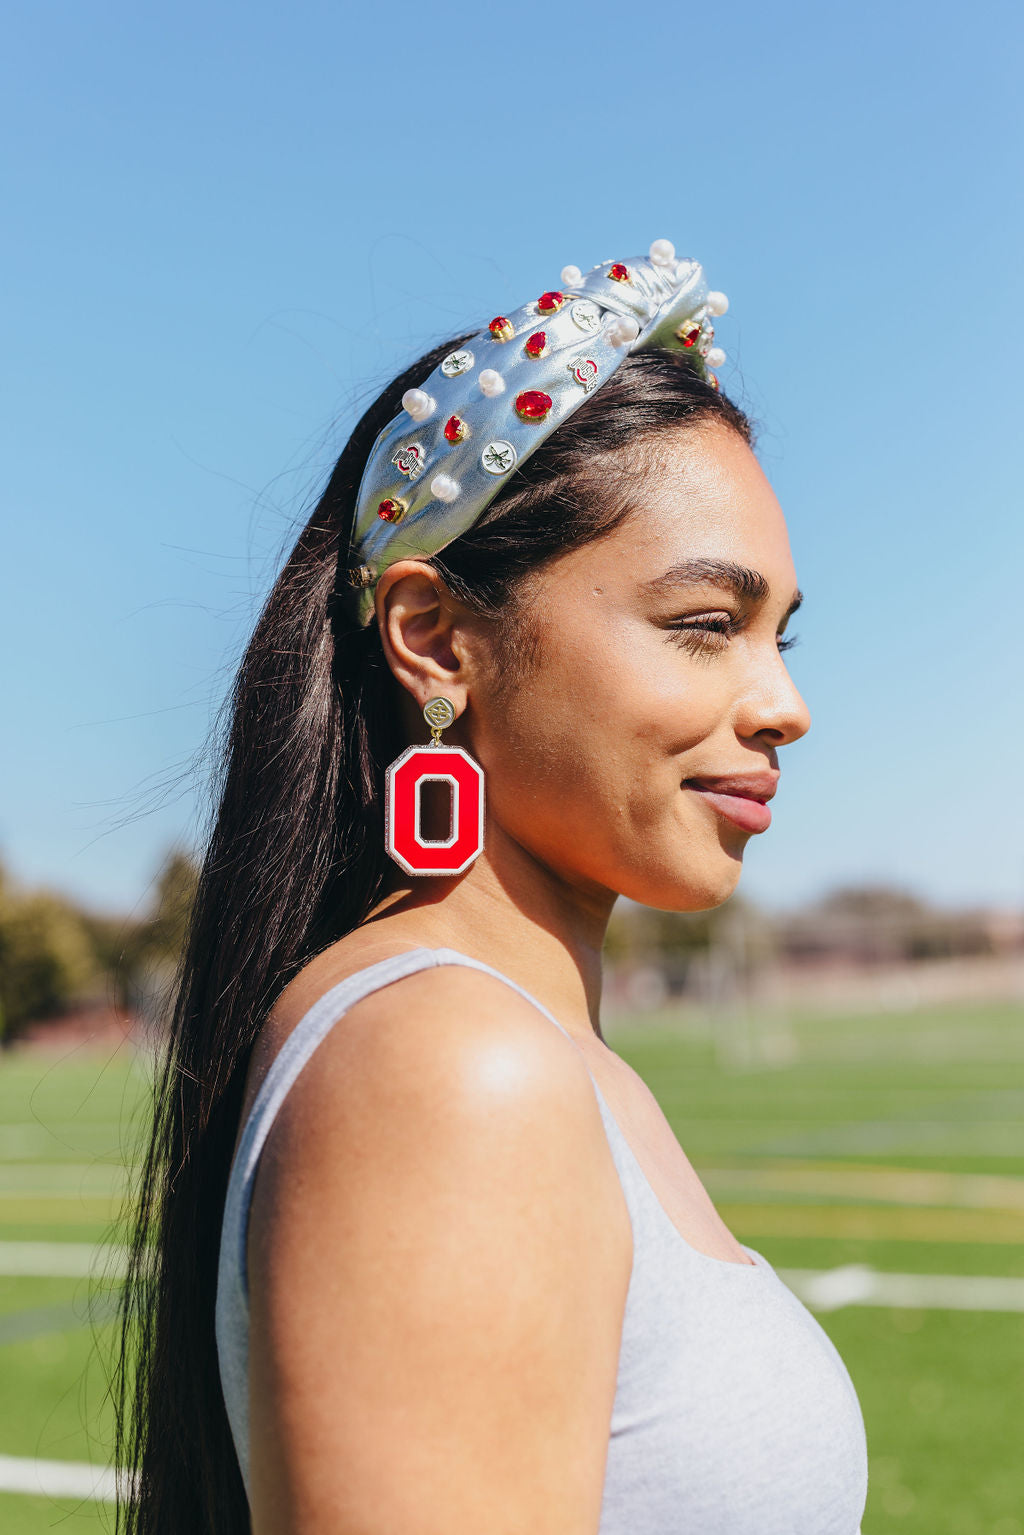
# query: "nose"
774,707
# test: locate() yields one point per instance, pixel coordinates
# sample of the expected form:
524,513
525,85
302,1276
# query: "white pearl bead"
444,487
715,357
419,404
491,382
571,277
662,252
623,329
717,303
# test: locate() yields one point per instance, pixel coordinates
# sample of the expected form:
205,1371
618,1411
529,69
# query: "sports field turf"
893,1141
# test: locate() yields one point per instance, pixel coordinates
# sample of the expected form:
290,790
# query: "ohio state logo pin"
584,373
410,460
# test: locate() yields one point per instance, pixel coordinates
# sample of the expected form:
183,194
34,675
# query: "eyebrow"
750,585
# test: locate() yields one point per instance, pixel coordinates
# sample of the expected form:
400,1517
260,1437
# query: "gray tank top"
733,1414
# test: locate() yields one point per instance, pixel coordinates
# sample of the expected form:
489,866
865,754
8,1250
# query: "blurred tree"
113,941
678,943
55,955
150,958
874,903
879,924
175,895
47,961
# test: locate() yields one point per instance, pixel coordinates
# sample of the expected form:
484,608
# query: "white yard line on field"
856,1284
889,1185
852,1284
58,1478
61,1260
56,1180
31,1141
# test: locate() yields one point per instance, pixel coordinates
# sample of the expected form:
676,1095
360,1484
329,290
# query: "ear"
420,631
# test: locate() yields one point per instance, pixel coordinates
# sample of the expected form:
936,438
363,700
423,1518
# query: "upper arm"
438,1259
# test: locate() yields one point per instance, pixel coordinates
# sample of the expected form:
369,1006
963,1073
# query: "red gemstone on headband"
390,510
688,332
533,404
549,302
619,272
455,429
500,328
536,345
713,381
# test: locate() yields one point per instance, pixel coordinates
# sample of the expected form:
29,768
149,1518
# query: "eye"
709,632
789,641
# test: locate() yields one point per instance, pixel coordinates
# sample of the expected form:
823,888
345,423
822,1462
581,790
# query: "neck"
515,914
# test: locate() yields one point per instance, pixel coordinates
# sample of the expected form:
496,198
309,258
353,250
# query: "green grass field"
895,1141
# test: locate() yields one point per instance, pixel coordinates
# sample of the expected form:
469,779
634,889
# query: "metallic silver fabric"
666,300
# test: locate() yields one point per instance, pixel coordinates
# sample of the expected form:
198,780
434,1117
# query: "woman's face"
656,671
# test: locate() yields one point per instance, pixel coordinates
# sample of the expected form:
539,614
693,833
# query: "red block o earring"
404,781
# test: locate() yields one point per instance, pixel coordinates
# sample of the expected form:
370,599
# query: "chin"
692,890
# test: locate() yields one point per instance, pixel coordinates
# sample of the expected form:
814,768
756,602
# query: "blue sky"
226,227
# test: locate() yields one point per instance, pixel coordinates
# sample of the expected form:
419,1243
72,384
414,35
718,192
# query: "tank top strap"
650,1221
453,957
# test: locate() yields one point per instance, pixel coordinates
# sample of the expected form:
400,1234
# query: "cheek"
635,689
601,729
585,761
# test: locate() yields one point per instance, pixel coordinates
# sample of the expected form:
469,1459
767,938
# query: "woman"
463,1277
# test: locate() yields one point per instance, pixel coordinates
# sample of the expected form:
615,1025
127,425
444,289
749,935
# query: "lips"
740,797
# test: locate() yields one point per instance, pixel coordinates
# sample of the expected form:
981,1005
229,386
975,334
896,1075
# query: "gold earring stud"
439,713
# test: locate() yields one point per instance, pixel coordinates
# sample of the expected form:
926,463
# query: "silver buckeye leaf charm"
457,362
586,315
498,457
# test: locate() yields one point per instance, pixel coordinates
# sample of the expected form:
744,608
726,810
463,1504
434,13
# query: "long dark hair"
294,861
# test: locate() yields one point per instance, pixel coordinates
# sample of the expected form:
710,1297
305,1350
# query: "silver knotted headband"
491,403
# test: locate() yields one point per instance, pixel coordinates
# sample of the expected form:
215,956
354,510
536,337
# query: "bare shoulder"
448,1058
439,1253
